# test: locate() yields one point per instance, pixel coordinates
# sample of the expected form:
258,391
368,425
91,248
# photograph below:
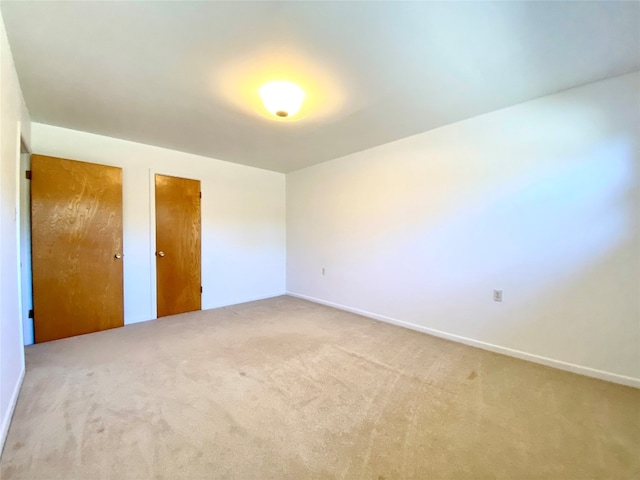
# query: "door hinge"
200,289
200,194
30,313
27,174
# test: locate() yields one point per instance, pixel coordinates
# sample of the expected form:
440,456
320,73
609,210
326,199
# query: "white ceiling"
183,75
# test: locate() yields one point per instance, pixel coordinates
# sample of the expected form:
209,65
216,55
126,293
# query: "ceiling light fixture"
283,99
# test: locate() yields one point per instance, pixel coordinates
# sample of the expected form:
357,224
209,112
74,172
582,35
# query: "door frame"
25,276
24,246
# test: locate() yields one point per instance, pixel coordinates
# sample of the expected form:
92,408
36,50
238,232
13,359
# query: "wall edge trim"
8,416
234,302
245,300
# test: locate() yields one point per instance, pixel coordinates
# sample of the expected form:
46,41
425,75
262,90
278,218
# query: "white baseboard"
209,307
131,321
550,362
6,420
244,300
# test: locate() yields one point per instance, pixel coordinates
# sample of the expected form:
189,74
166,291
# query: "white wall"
243,218
14,122
539,199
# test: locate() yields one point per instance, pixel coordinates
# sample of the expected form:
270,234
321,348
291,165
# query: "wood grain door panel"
178,240
76,210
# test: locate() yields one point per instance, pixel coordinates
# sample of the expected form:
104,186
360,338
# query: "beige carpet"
287,389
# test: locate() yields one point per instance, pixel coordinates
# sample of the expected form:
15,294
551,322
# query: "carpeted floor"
287,389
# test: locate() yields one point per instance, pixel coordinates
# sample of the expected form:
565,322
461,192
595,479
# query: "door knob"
160,253
118,256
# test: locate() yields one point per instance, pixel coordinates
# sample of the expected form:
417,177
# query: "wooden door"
76,241
178,284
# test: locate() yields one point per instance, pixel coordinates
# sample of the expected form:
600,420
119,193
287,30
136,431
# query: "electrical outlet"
323,270
497,295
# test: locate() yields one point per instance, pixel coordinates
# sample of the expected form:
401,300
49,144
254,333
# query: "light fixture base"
282,113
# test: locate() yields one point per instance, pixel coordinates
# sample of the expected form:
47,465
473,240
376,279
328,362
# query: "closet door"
76,239
177,245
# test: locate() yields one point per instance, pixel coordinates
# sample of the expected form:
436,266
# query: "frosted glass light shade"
283,99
